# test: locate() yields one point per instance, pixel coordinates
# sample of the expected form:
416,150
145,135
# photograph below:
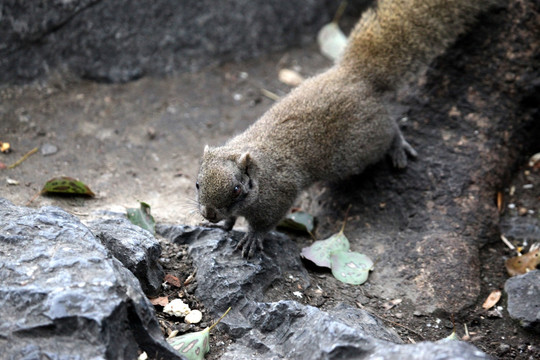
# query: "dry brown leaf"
524,263
500,201
492,299
173,280
161,301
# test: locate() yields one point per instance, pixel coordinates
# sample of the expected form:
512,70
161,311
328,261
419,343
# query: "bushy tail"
398,36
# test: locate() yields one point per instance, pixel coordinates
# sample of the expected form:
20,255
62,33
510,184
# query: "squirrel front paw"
226,224
250,244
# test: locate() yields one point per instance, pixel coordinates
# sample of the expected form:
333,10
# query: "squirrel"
332,125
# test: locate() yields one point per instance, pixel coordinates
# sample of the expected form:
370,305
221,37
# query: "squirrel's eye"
237,190
197,185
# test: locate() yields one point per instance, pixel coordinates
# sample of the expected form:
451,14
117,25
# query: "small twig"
391,322
221,318
345,220
339,12
508,243
25,156
33,198
270,94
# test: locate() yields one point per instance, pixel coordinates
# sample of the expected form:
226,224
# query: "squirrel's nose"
209,213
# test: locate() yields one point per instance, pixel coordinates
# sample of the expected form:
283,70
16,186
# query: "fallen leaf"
351,267
492,299
67,186
142,217
320,251
452,337
194,346
173,280
521,264
161,301
298,221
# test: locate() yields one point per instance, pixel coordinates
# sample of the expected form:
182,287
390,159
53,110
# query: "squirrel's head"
223,184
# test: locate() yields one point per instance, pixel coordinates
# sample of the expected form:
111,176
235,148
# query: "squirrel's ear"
244,160
206,149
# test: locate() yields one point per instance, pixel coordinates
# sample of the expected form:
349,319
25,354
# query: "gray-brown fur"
330,127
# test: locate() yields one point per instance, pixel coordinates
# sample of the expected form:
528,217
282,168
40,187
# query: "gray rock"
286,329
289,330
224,277
524,299
125,39
63,296
135,247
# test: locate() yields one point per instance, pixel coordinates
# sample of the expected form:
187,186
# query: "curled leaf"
298,221
492,299
524,263
142,217
67,186
192,346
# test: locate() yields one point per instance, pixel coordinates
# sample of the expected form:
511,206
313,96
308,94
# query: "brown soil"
141,142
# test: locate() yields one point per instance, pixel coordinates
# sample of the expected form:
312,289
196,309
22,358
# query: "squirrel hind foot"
250,244
400,150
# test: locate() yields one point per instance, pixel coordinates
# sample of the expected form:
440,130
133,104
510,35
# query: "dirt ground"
141,141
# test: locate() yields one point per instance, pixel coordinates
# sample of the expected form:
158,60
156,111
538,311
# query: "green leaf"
321,251
452,337
142,217
351,267
298,221
192,346
66,185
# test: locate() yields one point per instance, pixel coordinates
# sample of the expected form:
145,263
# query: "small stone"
503,348
12,181
177,308
194,317
48,149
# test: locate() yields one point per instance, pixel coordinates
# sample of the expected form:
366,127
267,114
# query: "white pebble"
194,317
177,308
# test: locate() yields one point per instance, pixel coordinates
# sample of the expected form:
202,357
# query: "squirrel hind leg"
399,150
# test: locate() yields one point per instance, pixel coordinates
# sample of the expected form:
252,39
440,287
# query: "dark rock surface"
123,40
63,295
287,329
135,247
524,299
224,278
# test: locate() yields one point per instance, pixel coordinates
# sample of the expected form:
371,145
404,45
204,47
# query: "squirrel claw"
250,244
